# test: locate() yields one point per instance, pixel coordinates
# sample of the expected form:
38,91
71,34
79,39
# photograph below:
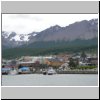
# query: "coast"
73,72
77,72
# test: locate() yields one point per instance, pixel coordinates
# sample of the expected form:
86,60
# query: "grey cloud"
25,16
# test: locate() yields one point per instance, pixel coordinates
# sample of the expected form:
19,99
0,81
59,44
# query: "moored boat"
24,70
5,71
13,72
44,73
51,71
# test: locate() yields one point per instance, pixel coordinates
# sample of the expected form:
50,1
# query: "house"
64,66
92,60
34,59
64,57
56,62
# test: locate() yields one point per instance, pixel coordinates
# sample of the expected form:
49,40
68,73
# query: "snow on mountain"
17,37
26,38
34,34
6,34
12,39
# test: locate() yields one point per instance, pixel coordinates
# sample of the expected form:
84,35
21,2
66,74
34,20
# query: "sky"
27,23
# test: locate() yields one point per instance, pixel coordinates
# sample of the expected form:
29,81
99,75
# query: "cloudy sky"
27,23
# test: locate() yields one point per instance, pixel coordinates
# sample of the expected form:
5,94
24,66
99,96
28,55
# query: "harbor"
61,63
56,70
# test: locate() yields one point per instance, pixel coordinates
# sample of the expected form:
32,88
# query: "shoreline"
72,72
77,72
63,72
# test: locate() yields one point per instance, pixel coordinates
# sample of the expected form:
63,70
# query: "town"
62,63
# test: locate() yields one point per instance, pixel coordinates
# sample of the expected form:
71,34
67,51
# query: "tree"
83,56
72,64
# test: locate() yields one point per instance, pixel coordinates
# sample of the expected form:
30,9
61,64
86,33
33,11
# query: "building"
33,59
64,57
92,60
54,62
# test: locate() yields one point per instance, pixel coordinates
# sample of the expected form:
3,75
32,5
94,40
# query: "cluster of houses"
40,62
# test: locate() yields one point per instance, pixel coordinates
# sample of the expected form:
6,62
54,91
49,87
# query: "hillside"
52,48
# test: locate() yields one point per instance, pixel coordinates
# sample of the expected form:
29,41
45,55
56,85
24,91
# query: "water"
50,80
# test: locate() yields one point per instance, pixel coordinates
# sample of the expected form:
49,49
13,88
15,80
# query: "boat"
13,72
51,72
24,70
44,73
5,71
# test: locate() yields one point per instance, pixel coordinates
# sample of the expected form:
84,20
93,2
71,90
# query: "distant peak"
95,19
57,26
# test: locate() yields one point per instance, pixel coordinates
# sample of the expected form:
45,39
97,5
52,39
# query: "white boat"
13,72
51,71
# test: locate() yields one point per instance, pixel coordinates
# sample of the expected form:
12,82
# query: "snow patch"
18,37
26,38
34,34
6,34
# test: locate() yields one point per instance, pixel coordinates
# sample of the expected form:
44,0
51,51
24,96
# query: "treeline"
50,48
51,44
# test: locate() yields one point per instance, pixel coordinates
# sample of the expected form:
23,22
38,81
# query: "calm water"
50,80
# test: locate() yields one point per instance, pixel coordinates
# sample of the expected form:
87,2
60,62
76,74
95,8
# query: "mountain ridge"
79,30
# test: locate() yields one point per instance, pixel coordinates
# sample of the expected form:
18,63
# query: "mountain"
78,30
12,39
75,37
